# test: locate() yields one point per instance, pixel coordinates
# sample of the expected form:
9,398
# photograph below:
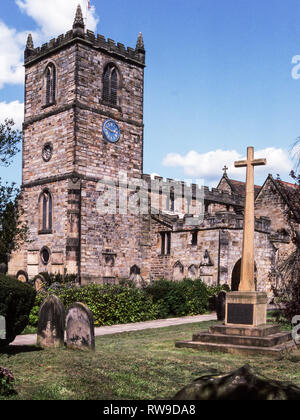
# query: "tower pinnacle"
29,47
78,25
29,43
140,43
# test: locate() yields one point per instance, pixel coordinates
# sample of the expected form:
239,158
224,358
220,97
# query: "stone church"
83,125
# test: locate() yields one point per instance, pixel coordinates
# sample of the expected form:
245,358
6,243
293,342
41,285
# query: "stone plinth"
246,309
265,340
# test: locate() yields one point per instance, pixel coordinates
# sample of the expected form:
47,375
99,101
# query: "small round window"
47,152
45,255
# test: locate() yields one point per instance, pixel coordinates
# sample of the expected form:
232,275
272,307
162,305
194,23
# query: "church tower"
83,123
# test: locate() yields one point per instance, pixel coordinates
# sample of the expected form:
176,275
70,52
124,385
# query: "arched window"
135,271
50,79
110,85
45,212
178,271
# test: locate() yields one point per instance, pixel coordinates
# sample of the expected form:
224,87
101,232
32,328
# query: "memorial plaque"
2,328
239,313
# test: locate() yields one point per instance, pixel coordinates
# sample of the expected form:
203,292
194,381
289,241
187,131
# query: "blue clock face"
111,131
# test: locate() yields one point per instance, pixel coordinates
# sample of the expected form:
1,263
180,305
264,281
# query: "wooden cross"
247,283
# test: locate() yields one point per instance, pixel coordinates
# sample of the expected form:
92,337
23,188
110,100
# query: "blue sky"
218,77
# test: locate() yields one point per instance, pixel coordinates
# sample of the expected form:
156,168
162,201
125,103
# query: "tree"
12,230
286,277
10,138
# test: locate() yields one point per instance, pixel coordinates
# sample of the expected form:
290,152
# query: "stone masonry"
67,162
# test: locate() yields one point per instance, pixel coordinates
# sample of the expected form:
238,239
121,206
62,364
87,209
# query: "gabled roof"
238,187
285,189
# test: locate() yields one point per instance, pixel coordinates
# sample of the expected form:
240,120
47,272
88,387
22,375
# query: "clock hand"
112,131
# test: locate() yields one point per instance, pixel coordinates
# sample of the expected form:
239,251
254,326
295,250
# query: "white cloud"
14,110
52,18
55,17
11,55
209,165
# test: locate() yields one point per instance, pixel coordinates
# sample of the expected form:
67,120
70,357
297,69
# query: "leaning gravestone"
80,327
51,323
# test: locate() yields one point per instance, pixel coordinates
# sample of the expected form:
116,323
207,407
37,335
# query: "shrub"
286,287
16,302
125,303
6,381
185,298
110,304
57,280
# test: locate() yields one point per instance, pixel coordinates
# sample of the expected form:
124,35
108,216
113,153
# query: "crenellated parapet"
194,190
78,34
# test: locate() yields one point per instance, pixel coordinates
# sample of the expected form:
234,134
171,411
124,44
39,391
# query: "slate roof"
239,187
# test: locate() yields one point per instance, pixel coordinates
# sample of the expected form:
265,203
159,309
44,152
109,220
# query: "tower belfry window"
50,84
110,85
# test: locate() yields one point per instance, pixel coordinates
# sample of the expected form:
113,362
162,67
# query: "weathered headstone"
39,282
2,328
80,327
221,306
51,323
3,268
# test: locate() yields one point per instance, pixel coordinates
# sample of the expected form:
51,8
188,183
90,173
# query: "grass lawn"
131,366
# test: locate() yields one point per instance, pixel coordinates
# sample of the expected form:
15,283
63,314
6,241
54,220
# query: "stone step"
261,331
235,340
276,351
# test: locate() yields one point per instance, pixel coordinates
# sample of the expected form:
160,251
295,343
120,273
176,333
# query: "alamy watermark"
126,195
2,328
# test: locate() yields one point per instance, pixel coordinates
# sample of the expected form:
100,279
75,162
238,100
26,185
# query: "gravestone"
3,268
80,327
39,282
51,323
221,306
2,328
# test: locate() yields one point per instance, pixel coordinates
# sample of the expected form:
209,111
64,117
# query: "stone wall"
110,243
35,86
270,203
54,241
213,258
97,245
59,131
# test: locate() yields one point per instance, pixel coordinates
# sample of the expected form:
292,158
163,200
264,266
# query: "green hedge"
16,302
124,304
185,298
110,304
